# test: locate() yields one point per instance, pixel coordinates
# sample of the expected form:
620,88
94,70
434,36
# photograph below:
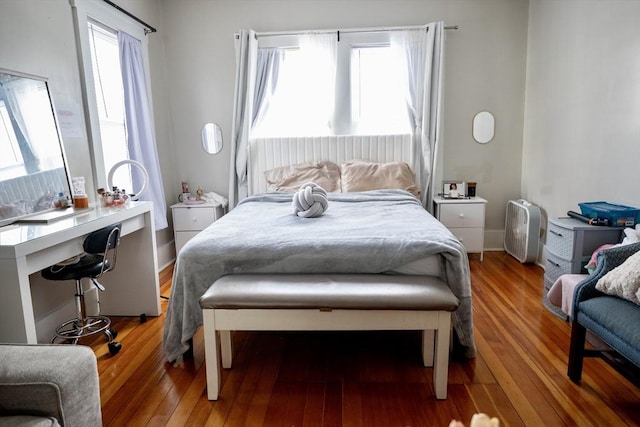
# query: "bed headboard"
269,153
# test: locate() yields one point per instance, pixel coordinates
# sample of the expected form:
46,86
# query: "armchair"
612,319
49,385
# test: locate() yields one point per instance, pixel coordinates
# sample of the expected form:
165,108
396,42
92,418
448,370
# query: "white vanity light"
483,127
143,171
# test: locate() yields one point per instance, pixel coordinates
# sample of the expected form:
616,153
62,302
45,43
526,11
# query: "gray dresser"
569,246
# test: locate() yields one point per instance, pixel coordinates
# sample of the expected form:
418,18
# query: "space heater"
522,230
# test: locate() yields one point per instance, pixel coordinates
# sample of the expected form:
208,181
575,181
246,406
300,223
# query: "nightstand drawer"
462,215
182,237
193,219
471,238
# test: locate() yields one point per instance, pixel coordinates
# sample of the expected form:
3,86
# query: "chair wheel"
114,347
143,318
111,334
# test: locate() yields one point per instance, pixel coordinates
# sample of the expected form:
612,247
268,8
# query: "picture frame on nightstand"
453,190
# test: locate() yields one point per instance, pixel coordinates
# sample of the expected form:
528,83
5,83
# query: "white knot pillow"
310,201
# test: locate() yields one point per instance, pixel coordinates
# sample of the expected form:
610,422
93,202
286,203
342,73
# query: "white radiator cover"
522,230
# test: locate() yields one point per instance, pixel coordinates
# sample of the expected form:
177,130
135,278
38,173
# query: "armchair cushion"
57,382
624,280
615,321
610,318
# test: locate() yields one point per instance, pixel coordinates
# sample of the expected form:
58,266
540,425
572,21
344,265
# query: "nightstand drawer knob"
194,219
461,215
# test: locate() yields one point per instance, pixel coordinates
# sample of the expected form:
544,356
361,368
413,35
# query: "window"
367,87
377,102
294,108
120,110
97,27
105,61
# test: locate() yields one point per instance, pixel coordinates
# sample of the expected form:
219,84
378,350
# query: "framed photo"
453,190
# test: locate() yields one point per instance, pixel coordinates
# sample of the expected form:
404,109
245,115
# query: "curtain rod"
147,28
347,30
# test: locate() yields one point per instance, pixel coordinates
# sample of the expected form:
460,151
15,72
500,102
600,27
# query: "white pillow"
624,280
291,178
360,175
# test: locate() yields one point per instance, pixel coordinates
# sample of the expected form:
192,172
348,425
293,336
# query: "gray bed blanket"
367,232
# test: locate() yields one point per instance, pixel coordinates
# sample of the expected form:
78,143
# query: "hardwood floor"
373,378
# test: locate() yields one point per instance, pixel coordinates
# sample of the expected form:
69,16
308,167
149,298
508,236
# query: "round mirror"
211,138
483,127
145,176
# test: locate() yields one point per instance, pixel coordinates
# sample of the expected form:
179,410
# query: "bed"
373,231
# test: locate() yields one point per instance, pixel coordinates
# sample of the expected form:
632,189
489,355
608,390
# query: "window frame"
342,123
97,10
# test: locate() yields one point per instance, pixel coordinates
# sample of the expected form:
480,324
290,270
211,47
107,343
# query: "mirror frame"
483,127
68,190
211,138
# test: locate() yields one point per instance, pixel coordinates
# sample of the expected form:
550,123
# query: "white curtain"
246,59
421,53
256,80
267,69
141,139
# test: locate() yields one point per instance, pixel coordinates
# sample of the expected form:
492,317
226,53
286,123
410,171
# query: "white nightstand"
189,220
465,219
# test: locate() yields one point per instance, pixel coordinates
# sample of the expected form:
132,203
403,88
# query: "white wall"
485,70
582,121
192,72
37,37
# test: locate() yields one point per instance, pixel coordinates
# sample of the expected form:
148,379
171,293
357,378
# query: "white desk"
132,287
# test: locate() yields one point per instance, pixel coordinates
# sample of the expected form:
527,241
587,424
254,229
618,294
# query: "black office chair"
100,249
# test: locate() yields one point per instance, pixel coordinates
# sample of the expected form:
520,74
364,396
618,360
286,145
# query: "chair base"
74,329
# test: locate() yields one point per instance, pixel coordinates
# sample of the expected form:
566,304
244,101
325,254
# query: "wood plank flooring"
373,378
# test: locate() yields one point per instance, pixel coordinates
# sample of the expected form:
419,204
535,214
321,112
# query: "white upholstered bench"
328,302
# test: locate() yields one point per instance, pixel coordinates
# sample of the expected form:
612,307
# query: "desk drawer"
193,219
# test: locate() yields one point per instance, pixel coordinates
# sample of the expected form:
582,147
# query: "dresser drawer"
193,219
471,238
555,267
462,215
560,241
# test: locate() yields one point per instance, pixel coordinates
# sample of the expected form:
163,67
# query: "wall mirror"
33,170
483,127
212,138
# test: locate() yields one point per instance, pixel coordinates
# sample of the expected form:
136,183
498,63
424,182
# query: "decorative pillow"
291,178
624,280
359,175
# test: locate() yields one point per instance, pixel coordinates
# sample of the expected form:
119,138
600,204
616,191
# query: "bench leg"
226,349
441,361
428,343
212,365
